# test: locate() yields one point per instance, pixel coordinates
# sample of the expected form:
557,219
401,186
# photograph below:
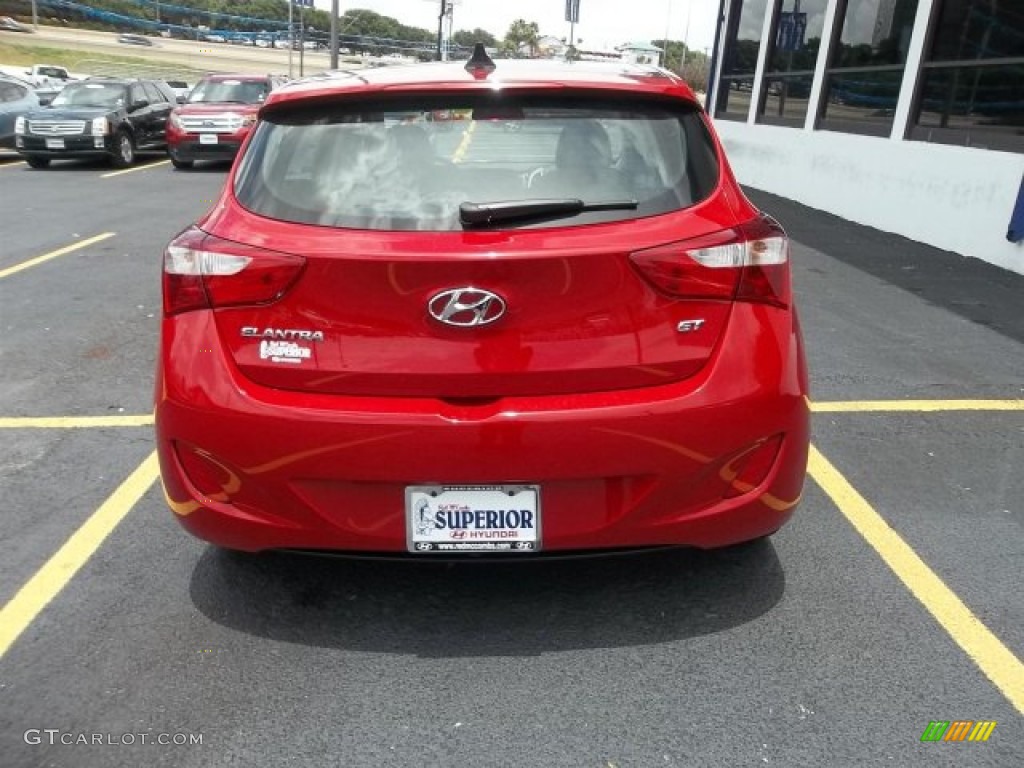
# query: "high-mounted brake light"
205,272
748,263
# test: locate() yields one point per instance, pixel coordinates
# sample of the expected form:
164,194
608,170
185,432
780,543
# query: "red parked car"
218,115
574,336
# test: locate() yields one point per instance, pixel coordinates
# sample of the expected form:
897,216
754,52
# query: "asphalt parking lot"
891,601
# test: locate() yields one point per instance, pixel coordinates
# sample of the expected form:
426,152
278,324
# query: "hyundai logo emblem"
466,307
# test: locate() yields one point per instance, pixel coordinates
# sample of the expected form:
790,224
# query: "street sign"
792,28
303,3
572,11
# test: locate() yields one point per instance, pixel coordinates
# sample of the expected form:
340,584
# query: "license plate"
55,143
207,138
449,519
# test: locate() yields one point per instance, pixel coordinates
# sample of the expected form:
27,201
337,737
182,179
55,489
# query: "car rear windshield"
231,91
414,165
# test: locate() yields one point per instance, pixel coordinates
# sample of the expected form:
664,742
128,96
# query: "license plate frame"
473,519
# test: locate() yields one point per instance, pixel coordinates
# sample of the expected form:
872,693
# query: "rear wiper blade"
482,214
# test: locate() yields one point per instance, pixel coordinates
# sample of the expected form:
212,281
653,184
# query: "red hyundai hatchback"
559,329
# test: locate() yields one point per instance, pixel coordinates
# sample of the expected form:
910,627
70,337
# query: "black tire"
182,165
124,150
34,161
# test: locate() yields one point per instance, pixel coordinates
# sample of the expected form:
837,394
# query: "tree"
696,71
468,39
521,33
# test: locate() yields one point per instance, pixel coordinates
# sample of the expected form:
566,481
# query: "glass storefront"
971,90
742,42
862,84
791,60
972,106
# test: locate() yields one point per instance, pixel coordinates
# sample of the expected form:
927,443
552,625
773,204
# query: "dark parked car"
115,118
16,98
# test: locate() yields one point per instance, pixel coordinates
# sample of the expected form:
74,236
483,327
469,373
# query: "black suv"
109,117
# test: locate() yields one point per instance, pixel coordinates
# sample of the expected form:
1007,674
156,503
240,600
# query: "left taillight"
202,271
747,263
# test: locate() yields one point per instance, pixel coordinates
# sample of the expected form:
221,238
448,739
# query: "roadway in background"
203,56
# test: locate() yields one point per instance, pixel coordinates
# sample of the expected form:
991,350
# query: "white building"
551,47
905,115
640,53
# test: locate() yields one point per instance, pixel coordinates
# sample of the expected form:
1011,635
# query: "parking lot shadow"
92,164
972,288
440,610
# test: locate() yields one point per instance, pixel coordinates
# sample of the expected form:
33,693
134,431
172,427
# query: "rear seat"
483,184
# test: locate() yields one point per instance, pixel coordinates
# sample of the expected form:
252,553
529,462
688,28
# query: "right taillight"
205,272
747,263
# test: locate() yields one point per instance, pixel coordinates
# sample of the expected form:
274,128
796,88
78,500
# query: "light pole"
440,29
291,38
451,30
35,15
302,41
686,37
572,15
668,23
334,34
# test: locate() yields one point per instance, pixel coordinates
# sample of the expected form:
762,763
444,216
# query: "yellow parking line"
145,167
54,254
998,663
48,581
916,406
71,422
463,148
13,165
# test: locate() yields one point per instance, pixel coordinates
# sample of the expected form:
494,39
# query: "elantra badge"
466,307
281,334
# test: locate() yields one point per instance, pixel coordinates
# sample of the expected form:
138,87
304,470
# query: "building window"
742,42
971,90
862,83
791,61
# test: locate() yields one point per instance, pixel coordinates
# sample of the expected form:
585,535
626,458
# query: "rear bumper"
630,468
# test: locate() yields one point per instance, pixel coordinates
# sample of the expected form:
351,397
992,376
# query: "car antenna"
480,64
